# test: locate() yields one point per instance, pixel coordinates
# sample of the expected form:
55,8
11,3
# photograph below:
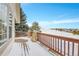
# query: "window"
5,24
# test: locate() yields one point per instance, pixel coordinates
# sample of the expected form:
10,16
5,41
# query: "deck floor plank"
34,49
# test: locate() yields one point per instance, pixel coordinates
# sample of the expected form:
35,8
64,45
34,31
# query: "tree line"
23,26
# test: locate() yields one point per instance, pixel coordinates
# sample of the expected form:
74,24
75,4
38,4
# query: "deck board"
34,49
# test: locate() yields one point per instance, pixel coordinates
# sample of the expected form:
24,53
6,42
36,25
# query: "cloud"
60,16
48,23
75,20
66,21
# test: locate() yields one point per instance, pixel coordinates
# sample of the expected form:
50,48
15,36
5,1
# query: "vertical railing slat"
53,42
64,47
50,41
73,49
58,44
78,49
61,46
68,48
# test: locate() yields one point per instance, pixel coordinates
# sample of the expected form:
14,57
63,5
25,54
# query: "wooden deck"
28,49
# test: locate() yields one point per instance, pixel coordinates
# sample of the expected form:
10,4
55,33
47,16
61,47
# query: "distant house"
9,14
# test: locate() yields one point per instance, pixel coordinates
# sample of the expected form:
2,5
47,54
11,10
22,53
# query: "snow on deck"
34,49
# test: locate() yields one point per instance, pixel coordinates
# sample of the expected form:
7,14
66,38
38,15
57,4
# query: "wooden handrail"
60,44
63,37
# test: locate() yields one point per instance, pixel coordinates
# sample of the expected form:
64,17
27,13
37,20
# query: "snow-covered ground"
60,33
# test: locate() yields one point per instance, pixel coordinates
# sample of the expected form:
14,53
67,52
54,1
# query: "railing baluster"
73,49
58,44
61,47
64,48
68,49
53,42
78,49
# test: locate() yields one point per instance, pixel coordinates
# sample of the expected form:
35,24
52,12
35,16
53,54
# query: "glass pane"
0,24
3,23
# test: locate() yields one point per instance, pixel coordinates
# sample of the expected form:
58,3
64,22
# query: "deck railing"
64,46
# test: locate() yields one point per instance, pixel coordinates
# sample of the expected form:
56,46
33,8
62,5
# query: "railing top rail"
61,37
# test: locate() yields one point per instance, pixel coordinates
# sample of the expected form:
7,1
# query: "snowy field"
60,33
